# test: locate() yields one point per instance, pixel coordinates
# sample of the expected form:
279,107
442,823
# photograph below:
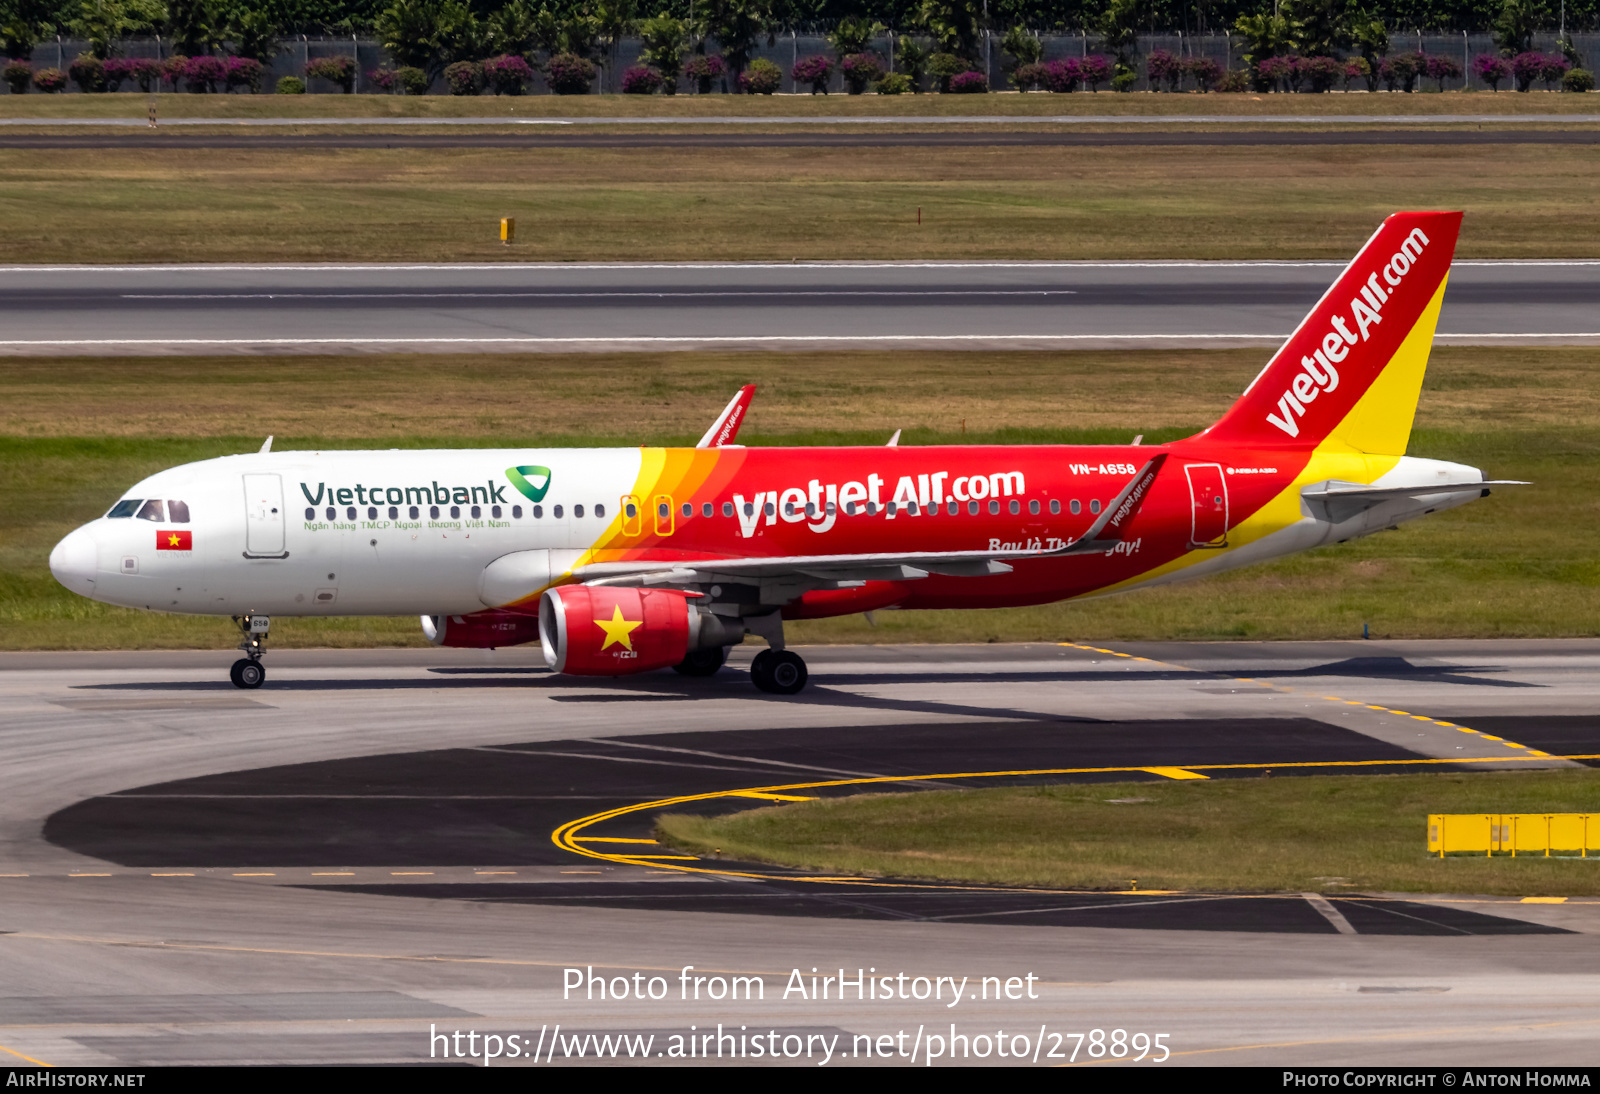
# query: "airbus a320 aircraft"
628,560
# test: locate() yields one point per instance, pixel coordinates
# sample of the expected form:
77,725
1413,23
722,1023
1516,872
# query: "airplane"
622,561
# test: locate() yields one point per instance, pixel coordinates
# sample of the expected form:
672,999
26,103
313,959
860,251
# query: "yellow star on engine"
617,629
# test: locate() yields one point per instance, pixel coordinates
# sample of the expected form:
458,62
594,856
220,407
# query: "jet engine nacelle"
607,631
481,630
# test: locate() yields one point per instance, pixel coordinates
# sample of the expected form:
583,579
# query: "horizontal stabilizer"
1339,501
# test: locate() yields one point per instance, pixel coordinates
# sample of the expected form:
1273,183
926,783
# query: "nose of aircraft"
75,561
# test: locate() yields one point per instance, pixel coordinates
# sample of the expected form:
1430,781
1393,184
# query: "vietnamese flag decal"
174,541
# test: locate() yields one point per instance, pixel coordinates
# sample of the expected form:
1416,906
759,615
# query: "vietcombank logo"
533,482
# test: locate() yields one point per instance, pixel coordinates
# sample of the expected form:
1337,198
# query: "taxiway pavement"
361,852
517,307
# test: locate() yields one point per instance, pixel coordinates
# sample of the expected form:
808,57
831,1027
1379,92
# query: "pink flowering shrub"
1029,76
704,70
861,71
641,80
1094,70
1164,68
384,79
50,80
763,77
203,74
507,74
466,77
1062,76
1272,73
814,71
18,74
1205,71
244,72
969,83
1491,69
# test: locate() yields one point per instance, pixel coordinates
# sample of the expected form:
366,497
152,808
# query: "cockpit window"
152,511
178,511
125,508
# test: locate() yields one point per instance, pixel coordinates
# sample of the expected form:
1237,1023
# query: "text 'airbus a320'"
629,560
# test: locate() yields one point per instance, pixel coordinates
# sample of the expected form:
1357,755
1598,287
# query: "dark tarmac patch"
876,138
925,903
467,806
1559,734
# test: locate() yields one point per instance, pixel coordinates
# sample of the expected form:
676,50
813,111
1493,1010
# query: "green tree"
1317,28
511,29
105,23
429,34
1372,39
955,26
737,25
1517,23
1264,35
854,34
614,19
664,39
254,33
1020,47
196,26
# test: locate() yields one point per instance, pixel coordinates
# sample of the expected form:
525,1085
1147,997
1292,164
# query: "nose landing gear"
248,672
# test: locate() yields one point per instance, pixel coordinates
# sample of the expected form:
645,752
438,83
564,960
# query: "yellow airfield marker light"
508,230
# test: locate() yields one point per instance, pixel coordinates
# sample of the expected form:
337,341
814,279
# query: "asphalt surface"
367,848
540,139
561,307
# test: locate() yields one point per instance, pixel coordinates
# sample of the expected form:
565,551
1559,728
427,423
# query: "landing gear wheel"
247,674
702,662
778,672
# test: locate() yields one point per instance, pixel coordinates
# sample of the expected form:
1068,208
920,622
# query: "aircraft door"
1208,502
666,519
263,516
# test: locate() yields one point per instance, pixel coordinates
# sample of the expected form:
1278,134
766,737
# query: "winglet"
267,447
1106,532
726,427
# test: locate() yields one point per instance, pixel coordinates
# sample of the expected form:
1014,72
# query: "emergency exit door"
1208,505
263,517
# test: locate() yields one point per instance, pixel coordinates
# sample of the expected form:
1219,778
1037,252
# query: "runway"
522,307
381,843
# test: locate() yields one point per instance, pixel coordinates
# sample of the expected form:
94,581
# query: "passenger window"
1077,507
599,510
538,512
872,508
707,510
433,512
850,508
152,511
769,509
911,507
631,510
577,512
1094,506
1055,506
749,509
891,508
455,512
788,508
394,513
972,508
688,509
1033,507
516,511
1016,507
954,508
372,512
727,508
477,511
556,512
994,508
311,514
178,511
350,513
125,508
811,508
494,511
411,514
833,509
333,514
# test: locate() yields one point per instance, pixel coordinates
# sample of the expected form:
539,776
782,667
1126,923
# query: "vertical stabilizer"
1351,373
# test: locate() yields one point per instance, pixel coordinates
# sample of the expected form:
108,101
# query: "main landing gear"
704,662
248,672
778,672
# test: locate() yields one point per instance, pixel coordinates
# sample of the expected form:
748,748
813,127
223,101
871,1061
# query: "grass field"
583,204
180,105
74,433
1312,834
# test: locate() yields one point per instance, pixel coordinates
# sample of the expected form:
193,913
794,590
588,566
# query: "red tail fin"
1378,316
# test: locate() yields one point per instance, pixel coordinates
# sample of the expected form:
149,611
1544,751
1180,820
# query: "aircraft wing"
855,569
726,427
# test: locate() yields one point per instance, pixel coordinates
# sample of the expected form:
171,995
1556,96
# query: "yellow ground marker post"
508,230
